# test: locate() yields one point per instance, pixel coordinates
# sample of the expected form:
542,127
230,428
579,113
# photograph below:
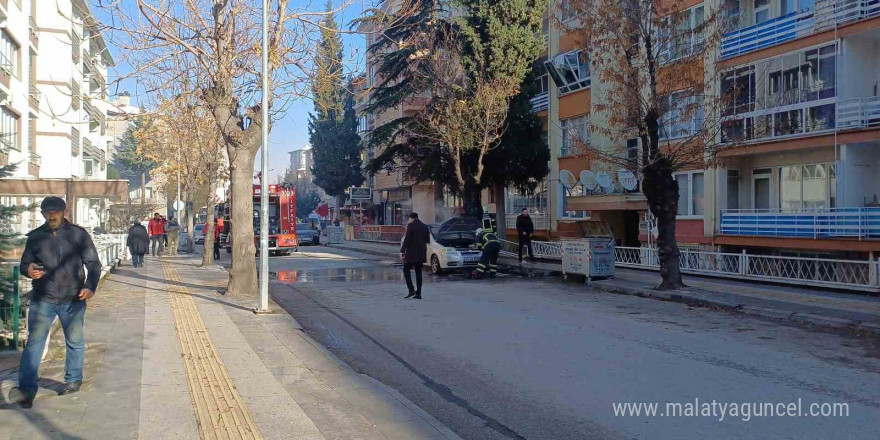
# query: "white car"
452,250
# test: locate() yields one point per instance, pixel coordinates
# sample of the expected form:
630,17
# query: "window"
88,167
566,11
8,54
762,11
543,84
681,34
10,134
738,91
807,187
690,194
535,202
802,77
632,155
733,189
570,71
683,115
575,135
362,124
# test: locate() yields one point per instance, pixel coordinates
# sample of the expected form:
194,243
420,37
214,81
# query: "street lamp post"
264,171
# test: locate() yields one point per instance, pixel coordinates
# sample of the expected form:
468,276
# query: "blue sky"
291,132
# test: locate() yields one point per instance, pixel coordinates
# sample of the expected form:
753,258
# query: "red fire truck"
282,220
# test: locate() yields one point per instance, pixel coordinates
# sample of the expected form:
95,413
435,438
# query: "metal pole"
176,202
264,171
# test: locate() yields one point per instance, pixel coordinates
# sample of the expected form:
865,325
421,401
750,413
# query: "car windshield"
199,227
303,227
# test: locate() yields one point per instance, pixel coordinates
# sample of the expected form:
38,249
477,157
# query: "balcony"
795,25
858,113
34,96
34,164
540,102
858,223
32,31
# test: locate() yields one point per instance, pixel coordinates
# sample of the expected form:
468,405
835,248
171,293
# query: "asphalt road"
513,358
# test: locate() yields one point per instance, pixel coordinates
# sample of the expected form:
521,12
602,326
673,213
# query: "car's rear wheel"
436,269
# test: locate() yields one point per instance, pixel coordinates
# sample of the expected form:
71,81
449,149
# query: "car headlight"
447,250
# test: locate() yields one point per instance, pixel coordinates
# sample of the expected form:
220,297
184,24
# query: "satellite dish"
588,179
604,180
627,179
610,189
567,178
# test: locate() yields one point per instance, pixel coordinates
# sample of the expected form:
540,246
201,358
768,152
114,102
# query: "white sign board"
576,257
178,205
361,193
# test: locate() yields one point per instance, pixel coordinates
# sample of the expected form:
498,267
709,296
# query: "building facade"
53,69
799,148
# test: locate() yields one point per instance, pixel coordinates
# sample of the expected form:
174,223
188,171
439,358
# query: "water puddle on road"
353,274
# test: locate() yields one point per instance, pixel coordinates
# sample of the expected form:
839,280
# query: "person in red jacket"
156,228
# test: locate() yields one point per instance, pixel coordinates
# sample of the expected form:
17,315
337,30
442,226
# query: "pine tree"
496,39
333,125
9,240
128,162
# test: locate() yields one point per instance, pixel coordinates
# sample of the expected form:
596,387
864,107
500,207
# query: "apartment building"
799,158
53,68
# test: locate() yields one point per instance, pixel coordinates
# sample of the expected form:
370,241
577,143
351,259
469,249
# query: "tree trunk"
190,236
472,199
208,252
500,210
661,190
143,187
243,273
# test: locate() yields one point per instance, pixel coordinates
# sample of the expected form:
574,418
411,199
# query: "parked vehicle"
453,245
198,234
307,234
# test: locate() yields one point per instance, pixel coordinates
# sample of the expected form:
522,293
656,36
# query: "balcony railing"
768,33
540,102
32,28
796,25
859,113
822,223
34,95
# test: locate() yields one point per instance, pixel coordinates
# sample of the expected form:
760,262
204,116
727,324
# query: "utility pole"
177,202
264,171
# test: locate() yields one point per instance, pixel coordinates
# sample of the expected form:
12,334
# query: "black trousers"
525,241
407,267
216,250
489,258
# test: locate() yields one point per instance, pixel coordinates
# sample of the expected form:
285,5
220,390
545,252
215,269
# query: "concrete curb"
694,299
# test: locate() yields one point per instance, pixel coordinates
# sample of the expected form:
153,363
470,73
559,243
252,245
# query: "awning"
68,188
607,203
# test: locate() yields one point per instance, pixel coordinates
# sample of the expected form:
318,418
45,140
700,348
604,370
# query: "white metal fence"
850,274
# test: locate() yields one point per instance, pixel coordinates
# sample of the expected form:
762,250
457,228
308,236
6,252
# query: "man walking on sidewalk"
54,257
524,230
157,232
172,228
413,252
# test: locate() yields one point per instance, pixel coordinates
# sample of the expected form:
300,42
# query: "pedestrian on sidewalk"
156,230
216,240
413,252
172,229
524,230
164,232
138,243
53,257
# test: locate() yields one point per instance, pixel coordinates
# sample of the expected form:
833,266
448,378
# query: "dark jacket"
524,224
62,253
415,243
138,241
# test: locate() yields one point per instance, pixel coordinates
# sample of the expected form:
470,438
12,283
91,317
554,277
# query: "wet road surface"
539,359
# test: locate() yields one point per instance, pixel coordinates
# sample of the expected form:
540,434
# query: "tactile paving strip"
220,411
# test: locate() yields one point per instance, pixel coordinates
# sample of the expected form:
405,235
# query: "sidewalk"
821,307
169,358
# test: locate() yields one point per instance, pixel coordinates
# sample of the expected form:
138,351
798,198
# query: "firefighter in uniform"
488,242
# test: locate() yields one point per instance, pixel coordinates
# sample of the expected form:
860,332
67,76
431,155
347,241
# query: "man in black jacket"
413,252
54,257
524,230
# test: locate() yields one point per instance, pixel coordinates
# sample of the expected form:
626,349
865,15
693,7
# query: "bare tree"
215,46
652,64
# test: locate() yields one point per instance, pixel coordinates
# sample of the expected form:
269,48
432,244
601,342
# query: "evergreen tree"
333,125
9,239
493,37
128,162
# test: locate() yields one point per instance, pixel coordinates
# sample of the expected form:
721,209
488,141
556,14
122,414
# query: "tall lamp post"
264,171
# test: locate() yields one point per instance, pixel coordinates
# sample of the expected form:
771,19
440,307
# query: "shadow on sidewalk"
194,286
